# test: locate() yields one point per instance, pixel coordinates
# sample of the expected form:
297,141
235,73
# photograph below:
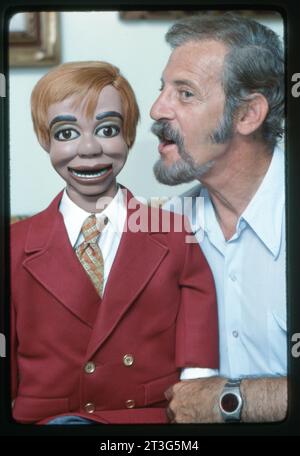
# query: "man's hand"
195,401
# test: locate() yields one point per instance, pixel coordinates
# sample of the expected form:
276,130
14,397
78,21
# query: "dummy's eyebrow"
103,115
62,118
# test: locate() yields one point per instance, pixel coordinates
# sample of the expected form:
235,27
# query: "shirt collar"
264,214
74,216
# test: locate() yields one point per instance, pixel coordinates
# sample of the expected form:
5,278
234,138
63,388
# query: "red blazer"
109,360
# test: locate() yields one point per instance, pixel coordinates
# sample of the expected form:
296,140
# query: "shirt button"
89,368
130,404
128,360
235,333
232,276
242,224
90,407
101,222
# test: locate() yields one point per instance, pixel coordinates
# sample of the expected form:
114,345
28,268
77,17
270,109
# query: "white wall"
139,50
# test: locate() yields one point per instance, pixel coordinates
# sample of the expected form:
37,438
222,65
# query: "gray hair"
254,63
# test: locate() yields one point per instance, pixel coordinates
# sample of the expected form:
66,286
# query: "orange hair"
81,79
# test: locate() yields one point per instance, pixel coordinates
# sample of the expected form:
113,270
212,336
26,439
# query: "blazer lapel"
53,263
138,257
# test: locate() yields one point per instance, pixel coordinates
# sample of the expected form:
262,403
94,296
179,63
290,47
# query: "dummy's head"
82,80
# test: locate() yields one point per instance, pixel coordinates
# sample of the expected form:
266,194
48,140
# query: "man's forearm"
265,399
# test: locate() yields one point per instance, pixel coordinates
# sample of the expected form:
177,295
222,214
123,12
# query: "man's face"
88,153
189,111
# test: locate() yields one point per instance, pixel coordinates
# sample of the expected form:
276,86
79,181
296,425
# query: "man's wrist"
231,401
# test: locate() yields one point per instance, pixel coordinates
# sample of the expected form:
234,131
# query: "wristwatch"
231,401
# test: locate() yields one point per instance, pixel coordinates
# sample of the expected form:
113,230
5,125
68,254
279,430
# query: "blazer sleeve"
17,236
13,353
197,340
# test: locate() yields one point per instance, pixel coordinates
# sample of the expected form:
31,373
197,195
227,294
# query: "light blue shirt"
250,275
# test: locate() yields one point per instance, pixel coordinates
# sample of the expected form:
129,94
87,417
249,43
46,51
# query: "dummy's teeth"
89,174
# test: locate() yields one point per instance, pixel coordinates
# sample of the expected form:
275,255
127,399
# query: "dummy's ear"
45,144
45,148
252,114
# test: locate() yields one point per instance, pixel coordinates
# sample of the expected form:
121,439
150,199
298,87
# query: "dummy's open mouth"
91,172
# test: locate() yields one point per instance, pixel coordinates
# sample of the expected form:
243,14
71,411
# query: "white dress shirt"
111,235
250,276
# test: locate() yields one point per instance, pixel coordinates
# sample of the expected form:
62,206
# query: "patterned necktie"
89,253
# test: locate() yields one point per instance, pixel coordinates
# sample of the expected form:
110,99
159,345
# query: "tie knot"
91,228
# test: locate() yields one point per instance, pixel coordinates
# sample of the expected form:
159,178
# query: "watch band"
231,401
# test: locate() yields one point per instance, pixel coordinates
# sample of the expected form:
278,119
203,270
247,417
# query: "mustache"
163,130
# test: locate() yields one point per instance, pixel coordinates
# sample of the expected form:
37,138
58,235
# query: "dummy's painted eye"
108,131
66,134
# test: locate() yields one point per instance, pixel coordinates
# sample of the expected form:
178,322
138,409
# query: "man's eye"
108,131
66,134
186,94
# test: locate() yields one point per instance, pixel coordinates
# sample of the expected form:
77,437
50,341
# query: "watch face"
229,402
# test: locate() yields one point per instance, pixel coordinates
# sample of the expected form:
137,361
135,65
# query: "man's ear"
252,114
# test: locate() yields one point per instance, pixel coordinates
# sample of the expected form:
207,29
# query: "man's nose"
89,146
162,108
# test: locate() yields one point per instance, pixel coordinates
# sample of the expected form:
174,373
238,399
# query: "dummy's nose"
89,146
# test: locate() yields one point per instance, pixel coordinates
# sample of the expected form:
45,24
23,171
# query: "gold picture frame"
171,15
156,15
34,39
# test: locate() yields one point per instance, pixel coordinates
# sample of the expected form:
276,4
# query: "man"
218,119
